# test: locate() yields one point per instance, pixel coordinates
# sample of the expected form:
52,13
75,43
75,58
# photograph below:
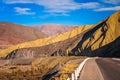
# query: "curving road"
110,68
101,69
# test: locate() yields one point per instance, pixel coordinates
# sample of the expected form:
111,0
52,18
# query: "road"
101,69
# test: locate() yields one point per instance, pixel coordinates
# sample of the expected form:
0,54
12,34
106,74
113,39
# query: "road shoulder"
91,71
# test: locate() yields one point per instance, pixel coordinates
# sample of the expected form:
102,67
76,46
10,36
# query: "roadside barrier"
75,75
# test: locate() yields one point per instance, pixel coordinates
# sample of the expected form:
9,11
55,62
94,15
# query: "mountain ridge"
107,31
53,29
46,41
12,34
81,41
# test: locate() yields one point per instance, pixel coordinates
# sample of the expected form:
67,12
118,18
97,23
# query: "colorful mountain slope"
95,41
101,39
53,29
11,34
46,41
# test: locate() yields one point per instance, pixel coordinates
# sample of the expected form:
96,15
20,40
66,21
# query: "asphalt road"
110,68
101,69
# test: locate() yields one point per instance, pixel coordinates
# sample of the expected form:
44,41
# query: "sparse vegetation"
39,68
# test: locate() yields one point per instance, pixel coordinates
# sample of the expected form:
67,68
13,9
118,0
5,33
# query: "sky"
67,12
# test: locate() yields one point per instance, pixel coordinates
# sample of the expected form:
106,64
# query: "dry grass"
69,67
40,67
70,63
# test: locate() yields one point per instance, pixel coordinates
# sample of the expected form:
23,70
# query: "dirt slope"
11,34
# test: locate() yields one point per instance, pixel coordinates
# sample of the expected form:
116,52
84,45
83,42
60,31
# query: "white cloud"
109,8
111,1
90,5
57,6
53,14
17,1
25,11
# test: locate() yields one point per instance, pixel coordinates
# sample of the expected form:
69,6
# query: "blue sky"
68,12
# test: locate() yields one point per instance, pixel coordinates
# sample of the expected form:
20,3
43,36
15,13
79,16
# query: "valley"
26,53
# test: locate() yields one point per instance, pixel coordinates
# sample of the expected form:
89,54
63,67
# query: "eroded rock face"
56,49
22,53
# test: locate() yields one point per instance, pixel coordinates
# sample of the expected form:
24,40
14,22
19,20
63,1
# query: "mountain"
11,34
44,42
102,39
53,29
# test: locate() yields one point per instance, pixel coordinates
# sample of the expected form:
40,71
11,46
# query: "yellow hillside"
46,41
108,32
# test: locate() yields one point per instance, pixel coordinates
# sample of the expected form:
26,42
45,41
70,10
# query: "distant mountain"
102,39
11,34
42,43
53,29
